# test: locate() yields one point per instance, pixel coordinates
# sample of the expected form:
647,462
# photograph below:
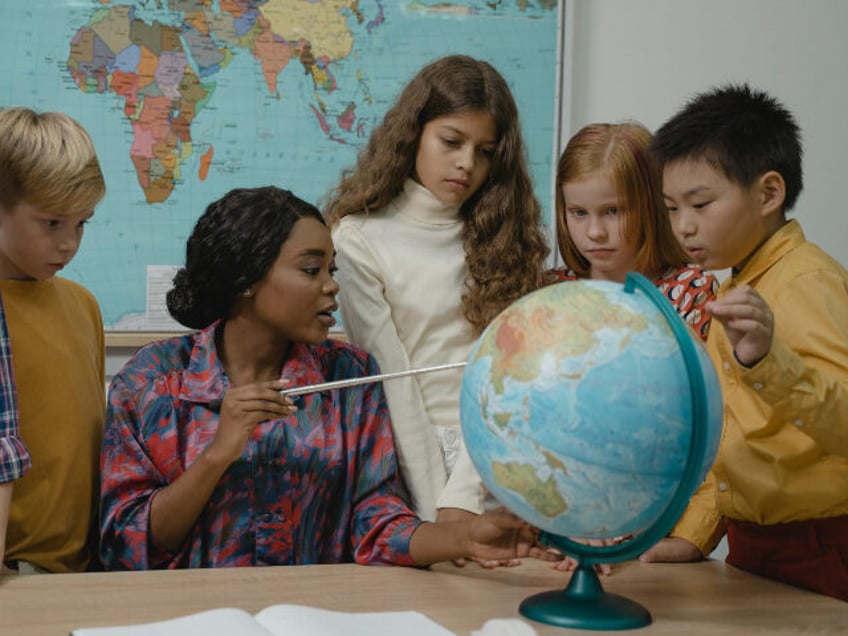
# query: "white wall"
642,59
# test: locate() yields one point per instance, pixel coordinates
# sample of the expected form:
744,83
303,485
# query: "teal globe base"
583,604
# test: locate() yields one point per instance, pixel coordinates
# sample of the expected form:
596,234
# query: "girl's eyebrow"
457,131
451,127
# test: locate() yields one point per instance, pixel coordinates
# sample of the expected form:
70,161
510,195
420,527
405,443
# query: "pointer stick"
341,384
215,405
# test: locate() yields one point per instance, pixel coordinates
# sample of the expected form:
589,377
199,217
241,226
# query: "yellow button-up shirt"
784,449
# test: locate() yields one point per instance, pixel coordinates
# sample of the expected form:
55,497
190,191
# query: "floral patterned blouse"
319,486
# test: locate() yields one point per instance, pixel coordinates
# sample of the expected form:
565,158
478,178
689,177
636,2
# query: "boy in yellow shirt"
50,182
731,170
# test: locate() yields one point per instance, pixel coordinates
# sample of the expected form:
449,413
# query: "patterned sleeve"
383,521
129,480
689,289
14,456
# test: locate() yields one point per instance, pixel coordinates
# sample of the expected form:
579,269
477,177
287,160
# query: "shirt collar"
418,203
205,380
303,366
776,247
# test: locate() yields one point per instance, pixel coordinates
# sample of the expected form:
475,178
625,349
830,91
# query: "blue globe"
578,404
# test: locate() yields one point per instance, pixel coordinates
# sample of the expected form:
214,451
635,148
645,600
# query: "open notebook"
280,620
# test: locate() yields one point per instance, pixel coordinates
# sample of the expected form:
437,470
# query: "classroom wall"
642,59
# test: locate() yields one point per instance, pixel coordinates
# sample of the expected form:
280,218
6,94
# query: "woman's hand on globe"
672,550
498,536
458,514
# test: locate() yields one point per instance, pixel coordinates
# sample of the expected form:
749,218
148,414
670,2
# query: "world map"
187,99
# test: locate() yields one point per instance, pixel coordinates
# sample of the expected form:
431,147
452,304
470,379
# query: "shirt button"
799,423
758,386
722,486
726,366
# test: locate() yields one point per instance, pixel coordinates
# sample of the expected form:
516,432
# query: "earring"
247,293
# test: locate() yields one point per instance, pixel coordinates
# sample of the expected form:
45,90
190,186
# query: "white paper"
160,280
280,620
286,620
217,621
504,627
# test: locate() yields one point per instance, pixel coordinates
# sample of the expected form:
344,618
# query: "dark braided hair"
232,246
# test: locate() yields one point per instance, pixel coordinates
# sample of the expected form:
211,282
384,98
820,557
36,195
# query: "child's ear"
772,192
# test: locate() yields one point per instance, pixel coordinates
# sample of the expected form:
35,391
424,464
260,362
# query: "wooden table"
684,599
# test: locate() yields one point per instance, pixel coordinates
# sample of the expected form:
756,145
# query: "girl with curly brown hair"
437,230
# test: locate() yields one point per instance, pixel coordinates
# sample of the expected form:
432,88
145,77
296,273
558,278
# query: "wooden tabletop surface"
684,599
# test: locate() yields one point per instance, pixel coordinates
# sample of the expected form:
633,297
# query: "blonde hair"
504,242
47,160
624,150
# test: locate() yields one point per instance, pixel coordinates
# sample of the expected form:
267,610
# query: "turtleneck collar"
418,203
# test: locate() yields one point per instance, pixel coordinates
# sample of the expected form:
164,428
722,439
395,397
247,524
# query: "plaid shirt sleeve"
14,457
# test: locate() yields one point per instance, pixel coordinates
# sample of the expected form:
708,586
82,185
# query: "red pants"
810,554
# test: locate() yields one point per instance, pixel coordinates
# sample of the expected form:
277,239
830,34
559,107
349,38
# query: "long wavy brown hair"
624,150
503,235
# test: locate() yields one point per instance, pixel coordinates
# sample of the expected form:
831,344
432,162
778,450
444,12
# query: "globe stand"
583,604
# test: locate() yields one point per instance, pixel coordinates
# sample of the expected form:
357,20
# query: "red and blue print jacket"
319,486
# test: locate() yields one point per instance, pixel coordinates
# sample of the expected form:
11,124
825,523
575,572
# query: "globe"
591,411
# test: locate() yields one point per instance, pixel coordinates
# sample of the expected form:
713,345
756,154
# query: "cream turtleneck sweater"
401,272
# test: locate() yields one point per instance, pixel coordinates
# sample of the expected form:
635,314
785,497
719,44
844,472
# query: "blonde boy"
50,182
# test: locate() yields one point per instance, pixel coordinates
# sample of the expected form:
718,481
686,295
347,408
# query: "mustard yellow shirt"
784,450
58,353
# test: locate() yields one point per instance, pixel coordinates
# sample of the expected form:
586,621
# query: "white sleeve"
465,488
367,321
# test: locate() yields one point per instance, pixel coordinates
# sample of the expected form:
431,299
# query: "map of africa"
187,99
